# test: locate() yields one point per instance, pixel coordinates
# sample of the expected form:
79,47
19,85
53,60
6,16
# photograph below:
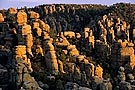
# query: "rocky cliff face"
65,47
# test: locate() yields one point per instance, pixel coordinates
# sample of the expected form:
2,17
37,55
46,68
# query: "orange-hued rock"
104,31
72,50
44,26
111,31
26,29
86,29
51,54
49,46
21,53
109,23
133,32
50,10
39,31
65,51
99,71
104,17
29,51
127,51
29,43
34,15
23,67
62,41
100,24
69,34
92,69
132,61
21,17
24,60
78,35
45,35
86,32
46,10
124,44
119,41
20,50
1,18
12,10
91,39
60,63
35,25
29,65
124,25
130,44
29,40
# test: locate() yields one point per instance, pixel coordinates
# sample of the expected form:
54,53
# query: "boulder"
1,18
78,35
21,17
34,15
80,57
35,25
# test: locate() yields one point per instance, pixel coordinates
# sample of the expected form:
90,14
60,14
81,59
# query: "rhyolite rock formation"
68,47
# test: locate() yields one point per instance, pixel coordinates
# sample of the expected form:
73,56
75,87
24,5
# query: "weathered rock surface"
67,47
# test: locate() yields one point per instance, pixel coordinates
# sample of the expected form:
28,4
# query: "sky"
5,4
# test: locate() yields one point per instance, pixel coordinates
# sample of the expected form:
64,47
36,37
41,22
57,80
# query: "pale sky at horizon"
4,4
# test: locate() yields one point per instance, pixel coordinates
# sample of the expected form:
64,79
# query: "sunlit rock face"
67,47
1,18
21,17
